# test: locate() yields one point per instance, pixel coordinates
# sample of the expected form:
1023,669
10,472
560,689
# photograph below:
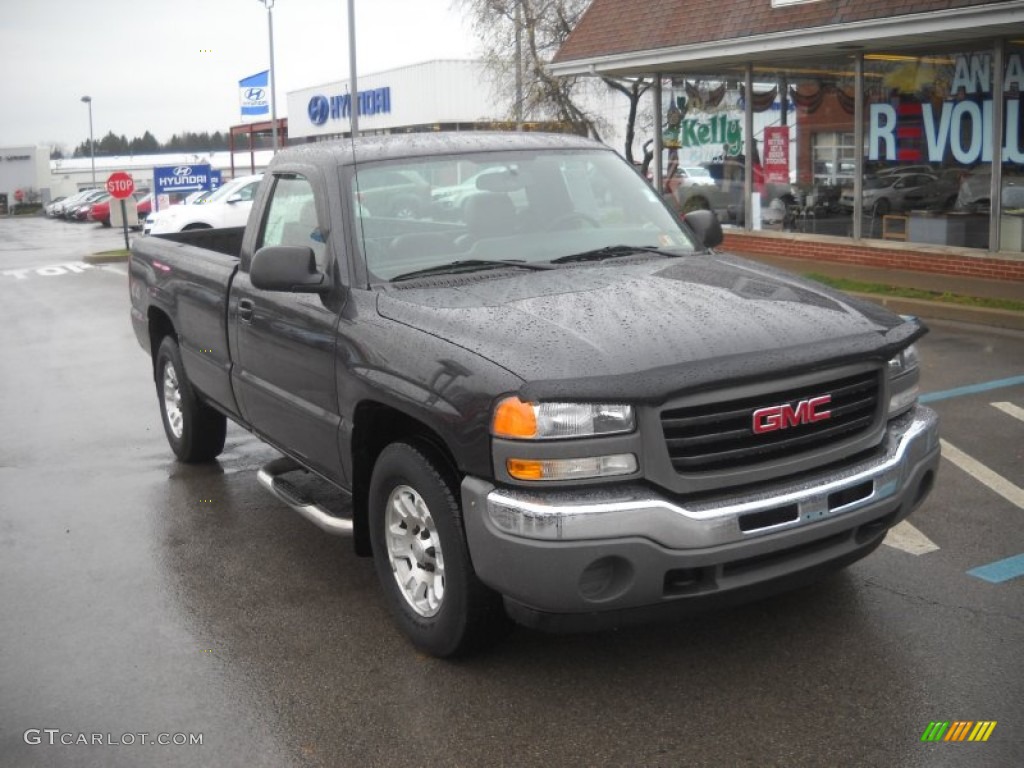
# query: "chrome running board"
269,476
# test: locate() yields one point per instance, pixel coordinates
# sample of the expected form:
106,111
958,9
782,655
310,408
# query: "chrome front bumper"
637,510
625,547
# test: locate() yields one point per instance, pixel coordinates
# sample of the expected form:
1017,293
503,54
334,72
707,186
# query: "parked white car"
227,207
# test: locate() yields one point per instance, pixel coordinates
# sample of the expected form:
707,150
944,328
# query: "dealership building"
24,174
890,133
440,95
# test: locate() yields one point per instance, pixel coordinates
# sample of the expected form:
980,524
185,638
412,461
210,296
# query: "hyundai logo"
254,94
183,170
318,110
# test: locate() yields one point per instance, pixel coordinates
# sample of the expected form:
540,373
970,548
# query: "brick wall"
871,253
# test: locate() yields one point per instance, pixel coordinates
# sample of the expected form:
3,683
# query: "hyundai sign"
254,94
372,102
181,178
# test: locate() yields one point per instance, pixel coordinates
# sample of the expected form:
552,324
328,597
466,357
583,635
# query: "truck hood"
596,328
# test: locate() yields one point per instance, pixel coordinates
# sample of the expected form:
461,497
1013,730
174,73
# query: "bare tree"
543,26
633,89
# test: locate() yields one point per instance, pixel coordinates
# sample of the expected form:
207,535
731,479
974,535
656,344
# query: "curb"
97,258
938,310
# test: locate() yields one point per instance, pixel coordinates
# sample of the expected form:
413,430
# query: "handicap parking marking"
992,480
1011,409
905,537
971,389
1000,570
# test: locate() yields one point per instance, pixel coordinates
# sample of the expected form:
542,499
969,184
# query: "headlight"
546,421
905,362
903,375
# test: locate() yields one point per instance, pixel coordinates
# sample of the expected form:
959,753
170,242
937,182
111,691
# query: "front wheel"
194,430
422,559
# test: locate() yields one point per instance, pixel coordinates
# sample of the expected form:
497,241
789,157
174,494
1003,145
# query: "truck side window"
292,218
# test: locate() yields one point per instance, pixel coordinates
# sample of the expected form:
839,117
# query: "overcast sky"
173,65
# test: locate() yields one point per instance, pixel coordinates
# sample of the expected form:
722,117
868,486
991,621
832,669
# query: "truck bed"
187,276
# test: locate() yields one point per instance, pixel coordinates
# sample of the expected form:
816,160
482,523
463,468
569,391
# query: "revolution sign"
181,178
959,126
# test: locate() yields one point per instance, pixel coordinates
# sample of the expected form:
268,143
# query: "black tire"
882,207
196,431
192,227
467,616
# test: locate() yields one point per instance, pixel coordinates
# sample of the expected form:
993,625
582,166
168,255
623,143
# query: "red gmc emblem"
787,415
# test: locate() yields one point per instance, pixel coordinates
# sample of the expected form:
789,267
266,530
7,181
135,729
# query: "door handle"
246,309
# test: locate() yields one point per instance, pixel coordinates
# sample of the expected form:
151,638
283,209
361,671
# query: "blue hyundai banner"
254,94
181,178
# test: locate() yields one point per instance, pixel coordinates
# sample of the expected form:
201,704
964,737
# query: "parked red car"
100,211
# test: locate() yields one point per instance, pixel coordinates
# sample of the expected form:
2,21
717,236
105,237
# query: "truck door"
284,372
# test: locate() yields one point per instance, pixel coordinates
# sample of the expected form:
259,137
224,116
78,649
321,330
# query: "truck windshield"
535,206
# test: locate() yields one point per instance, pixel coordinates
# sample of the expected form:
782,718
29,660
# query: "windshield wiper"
613,252
469,265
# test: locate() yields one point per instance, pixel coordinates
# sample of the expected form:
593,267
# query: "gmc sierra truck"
548,397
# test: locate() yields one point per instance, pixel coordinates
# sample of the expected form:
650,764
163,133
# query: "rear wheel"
422,559
194,430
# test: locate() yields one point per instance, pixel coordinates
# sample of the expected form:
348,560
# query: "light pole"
92,144
353,86
519,65
273,91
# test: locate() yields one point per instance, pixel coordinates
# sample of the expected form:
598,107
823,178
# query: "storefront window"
925,165
929,149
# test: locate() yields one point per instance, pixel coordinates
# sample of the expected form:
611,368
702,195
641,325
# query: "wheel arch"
160,325
375,426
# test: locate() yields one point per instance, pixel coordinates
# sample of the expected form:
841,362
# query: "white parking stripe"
1010,408
983,474
906,537
116,270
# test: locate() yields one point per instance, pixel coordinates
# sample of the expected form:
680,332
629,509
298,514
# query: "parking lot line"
983,474
1001,570
905,537
972,389
1010,408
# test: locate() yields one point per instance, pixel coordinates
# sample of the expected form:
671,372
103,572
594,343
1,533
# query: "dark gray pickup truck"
547,396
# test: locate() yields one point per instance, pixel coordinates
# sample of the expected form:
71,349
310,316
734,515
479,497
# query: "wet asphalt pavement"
143,596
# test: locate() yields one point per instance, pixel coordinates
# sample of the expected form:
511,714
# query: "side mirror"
288,268
235,198
705,226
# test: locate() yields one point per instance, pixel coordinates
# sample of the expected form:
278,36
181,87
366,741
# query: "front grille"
720,435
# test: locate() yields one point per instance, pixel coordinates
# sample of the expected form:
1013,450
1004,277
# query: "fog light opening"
605,579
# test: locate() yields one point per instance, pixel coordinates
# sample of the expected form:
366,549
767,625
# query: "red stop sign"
19,195
120,185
